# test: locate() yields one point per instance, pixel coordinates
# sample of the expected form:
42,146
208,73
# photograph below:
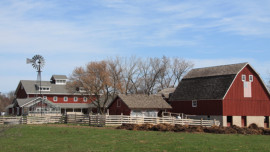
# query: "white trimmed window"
44,97
55,98
250,78
194,103
66,99
75,99
243,77
85,99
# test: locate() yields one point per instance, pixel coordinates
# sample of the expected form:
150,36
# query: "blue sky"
70,33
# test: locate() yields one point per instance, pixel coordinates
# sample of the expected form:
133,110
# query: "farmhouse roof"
138,101
25,101
210,83
59,77
30,87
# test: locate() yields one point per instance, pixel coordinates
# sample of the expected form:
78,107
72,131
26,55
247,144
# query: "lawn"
83,138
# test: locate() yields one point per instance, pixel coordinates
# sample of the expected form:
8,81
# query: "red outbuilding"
138,105
233,94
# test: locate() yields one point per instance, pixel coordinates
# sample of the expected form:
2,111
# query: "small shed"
138,105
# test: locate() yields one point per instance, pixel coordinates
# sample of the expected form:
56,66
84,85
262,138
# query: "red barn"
233,94
138,105
54,94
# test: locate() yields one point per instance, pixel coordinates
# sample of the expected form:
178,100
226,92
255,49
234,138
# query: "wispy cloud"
72,33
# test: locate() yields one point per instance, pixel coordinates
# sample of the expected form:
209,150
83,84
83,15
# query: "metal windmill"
38,63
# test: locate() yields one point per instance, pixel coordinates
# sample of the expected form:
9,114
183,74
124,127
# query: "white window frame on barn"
250,78
75,99
243,77
55,98
194,103
85,99
65,98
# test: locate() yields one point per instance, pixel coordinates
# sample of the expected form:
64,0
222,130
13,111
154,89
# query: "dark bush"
214,129
128,126
194,129
266,131
163,127
253,126
180,128
146,127
253,129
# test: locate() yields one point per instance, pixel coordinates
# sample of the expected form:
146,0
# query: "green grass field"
60,138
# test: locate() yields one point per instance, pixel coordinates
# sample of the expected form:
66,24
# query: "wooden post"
201,122
214,122
121,118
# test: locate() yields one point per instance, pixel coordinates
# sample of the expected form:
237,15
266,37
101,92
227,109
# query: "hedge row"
253,129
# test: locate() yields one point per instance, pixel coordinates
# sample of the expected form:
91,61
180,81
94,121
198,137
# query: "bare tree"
100,80
105,79
179,68
6,99
151,70
130,75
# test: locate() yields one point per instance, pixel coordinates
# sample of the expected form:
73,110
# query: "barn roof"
138,101
211,83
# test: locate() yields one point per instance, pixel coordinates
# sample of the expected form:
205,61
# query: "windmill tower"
38,63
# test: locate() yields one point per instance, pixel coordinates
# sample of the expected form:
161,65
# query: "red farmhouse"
233,94
55,96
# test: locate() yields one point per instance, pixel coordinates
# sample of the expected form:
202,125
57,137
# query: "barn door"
244,121
266,122
229,121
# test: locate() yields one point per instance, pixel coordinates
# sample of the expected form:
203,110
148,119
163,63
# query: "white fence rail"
31,119
111,120
104,120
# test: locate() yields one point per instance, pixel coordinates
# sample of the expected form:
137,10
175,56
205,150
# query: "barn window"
55,98
65,98
194,103
85,99
250,78
75,99
243,77
118,103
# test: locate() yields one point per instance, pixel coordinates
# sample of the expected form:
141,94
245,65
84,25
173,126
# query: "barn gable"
211,83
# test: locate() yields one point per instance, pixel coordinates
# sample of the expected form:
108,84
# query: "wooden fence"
103,120
116,120
31,119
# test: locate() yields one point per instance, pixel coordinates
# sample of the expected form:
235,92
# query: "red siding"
21,93
117,110
204,107
70,98
235,104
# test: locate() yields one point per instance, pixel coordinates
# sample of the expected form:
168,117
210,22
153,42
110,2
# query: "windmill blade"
28,61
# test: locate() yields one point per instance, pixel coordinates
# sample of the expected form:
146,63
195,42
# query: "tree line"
133,75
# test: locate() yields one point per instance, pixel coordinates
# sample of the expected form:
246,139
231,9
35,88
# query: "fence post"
121,118
201,122
214,122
